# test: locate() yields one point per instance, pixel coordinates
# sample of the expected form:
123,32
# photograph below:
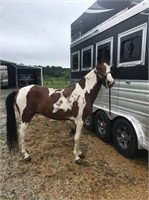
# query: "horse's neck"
91,84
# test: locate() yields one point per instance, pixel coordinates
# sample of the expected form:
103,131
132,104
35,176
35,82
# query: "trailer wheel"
103,126
89,123
124,138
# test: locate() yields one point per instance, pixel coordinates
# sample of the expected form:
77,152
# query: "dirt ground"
53,175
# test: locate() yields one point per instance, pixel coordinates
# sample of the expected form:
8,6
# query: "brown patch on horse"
51,100
37,100
68,91
82,83
75,109
90,98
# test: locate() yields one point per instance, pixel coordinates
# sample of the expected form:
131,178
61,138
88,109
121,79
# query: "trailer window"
131,46
75,61
87,58
104,50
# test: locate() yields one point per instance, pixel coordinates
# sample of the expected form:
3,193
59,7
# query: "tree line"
56,72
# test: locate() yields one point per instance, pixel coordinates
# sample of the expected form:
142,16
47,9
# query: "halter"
103,81
101,77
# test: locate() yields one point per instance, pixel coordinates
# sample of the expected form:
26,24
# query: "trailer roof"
98,13
110,22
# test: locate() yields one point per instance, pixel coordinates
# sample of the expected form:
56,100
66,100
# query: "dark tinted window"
104,52
87,58
130,49
75,61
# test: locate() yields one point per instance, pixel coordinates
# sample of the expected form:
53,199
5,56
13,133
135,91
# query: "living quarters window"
131,46
75,61
87,58
104,50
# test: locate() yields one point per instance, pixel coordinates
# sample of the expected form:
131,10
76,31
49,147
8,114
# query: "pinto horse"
72,103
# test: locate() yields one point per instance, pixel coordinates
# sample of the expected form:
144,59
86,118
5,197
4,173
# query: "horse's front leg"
77,152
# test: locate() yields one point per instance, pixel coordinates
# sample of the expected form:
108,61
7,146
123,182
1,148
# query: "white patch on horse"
81,100
63,104
22,130
109,76
77,95
51,91
21,99
91,80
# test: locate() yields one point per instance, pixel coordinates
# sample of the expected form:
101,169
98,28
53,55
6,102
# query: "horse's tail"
12,137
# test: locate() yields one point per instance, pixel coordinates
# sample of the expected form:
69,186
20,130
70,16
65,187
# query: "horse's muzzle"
109,84
109,80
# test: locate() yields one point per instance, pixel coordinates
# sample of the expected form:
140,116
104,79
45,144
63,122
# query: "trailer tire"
89,123
103,126
124,138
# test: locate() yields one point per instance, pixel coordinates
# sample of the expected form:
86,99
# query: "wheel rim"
123,137
101,127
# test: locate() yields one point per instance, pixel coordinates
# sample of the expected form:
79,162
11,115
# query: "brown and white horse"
72,103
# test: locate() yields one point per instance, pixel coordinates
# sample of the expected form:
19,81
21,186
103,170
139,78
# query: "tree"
56,72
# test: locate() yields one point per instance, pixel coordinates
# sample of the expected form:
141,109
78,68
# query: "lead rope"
110,101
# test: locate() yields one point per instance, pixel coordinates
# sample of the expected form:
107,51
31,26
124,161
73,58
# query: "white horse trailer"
117,31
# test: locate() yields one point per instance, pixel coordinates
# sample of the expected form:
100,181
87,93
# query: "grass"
59,83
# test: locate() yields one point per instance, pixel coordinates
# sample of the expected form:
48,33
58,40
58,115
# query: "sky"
37,32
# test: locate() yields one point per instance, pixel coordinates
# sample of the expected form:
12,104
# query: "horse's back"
31,97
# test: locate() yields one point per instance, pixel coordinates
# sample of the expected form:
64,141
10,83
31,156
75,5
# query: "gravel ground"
53,175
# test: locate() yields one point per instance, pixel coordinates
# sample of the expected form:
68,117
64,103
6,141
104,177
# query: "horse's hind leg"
22,130
77,152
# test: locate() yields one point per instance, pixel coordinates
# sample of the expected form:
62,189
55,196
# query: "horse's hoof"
79,162
27,159
82,156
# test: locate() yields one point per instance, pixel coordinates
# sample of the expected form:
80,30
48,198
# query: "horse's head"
103,71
